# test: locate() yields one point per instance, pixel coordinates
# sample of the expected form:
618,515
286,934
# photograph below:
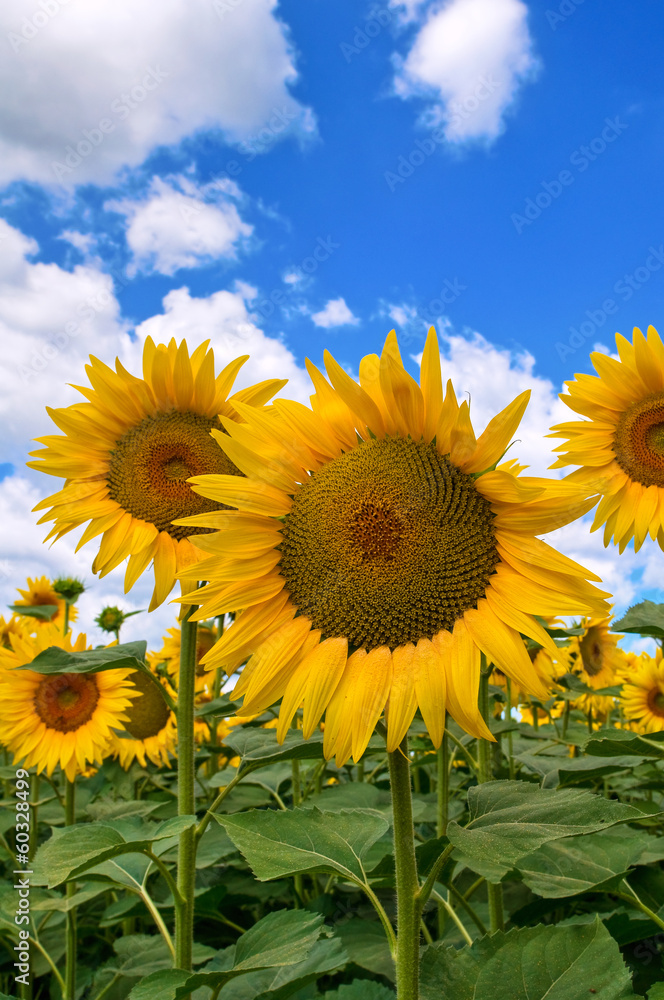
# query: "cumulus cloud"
335,312
492,377
469,59
50,321
87,88
180,224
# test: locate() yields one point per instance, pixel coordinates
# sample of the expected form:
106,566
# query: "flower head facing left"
126,455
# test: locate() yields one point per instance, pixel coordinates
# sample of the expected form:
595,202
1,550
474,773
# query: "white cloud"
24,555
226,320
493,377
179,224
113,80
84,242
469,58
50,321
335,312
37,301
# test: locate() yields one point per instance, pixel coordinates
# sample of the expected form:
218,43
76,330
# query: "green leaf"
645,618
533,963
562,770
367,946
218,706
608,742
325,957
284,938
44,612
305,840
260,746
58,661
656,992
509,819
360,989
596,861
72,851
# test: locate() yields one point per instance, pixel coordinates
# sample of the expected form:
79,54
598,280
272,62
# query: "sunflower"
15,626
150,729
642,695
620,448
40,593
206,636
376,552
66,719
596,658
127,452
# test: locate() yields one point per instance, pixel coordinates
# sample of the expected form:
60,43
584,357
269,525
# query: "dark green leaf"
44,612
596,861
645,618
72,851
609,742
562,770
305,840
58,661
218,706
360,989
509,819
260,746
282,939
367,946
533,963
325,957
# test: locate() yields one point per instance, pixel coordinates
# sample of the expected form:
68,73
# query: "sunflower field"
391,745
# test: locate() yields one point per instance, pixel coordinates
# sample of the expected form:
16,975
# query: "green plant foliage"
509,819
645,618
535,963
306,840
58,661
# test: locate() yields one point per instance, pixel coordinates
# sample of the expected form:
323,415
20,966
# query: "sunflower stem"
442,802
70,952
408,908
186,876
494,892
297,798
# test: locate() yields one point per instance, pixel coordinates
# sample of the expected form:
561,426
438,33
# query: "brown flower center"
148,713
656,702
639,441
387,544
151,463
66,701
591,653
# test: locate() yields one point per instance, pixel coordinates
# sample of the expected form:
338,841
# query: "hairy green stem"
494,892
510,741
408,908
297,798
186,875
70,950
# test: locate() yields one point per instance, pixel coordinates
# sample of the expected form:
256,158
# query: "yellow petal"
368,697
354,396
430,688
257,498
432,386
403,700
504,647
326,664
495,438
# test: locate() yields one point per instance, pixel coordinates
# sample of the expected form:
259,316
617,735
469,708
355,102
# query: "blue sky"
289,177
